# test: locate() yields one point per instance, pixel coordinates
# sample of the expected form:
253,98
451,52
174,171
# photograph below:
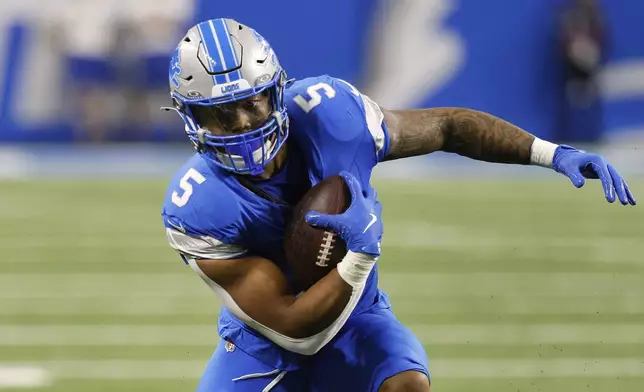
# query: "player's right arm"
257,292
260,296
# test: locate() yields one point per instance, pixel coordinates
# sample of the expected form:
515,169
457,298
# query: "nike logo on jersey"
354,90
374,218
179,226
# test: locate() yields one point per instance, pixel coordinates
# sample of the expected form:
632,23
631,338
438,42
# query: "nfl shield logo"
230,347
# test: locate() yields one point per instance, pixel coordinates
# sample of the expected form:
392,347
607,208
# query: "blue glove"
578,165
360,226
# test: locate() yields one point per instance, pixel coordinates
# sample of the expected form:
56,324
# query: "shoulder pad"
198,203
330,109
318,94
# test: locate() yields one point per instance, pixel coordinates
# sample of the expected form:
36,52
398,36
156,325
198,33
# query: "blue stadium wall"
508,64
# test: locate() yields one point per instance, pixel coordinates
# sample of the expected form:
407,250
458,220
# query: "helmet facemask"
241,132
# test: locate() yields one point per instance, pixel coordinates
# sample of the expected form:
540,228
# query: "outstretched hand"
578,165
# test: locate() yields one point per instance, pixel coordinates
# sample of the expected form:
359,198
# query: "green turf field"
511,286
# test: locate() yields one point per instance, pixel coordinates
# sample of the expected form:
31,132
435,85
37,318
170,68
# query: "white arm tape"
355,268
542,152
305,346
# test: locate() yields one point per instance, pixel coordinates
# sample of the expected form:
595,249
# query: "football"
312,252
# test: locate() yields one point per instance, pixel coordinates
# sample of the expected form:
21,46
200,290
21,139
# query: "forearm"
484,137
326,306
466,132
315,317
318,307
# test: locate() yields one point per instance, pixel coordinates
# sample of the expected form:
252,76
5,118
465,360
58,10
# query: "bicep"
253,288
238,279
415,132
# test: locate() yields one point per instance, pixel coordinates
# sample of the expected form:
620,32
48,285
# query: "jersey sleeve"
367,113
374,119
202,247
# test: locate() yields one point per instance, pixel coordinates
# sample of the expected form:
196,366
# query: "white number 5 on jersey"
186,186
316,98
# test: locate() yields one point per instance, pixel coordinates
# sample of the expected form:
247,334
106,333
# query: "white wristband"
542,152
356,267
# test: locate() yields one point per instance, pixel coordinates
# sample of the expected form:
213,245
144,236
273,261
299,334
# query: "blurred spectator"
582,38
87,31
117,56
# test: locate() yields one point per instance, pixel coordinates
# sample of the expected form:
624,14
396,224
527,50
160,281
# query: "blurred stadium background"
513,279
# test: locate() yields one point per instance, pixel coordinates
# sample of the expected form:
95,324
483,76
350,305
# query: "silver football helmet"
228,86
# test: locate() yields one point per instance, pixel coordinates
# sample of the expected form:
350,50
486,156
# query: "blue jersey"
209,214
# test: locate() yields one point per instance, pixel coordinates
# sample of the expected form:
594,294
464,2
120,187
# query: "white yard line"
440,369
529,368
178,305
426,235
107,335
456,334
69,285
122,369
518,304
476,284
184,293
414,234
592,285
24,377
519,334
73,243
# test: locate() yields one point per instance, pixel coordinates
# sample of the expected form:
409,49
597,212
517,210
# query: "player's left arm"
484,137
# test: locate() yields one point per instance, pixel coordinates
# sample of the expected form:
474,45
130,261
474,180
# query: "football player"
262,141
